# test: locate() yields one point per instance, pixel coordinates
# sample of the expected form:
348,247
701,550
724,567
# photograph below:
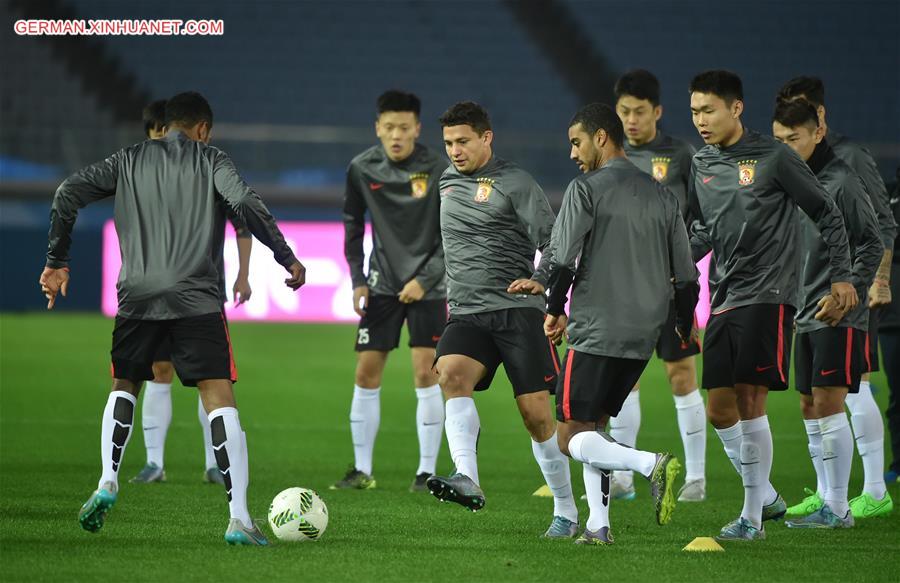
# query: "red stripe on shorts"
553,356
567,411
781,342
847,357
234,373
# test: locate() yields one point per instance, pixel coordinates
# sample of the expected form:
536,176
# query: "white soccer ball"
298,514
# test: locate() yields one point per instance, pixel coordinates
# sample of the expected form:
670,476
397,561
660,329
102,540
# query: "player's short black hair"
466,113
810,88
395,100
154,116
719,82
188,109
792,114
638,83
599,116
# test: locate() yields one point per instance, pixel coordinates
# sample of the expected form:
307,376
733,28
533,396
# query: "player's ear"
819,134
418,129
657,112
600,138
488,137
737,108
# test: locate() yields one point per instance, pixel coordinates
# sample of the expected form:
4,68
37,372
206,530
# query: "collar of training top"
822,155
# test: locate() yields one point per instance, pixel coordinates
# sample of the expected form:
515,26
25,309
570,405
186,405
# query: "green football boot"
808,505
662,486
866,506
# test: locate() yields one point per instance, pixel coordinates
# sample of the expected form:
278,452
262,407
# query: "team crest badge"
419,184
485,186
660,168
746,172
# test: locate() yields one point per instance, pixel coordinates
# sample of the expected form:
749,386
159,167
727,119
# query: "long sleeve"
88,185
685,274
247,205
801,186
576,217
700,242
354,231
862,228
864,165
433,270
536,216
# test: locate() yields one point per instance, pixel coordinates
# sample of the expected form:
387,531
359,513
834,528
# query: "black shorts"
201,348
830,357
514,337
871,342
749,345
164,350
669,346
592,386
380,328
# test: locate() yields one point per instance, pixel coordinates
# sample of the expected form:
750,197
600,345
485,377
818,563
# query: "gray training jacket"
744,201
492,222
866,248
668,160
171,197
627,230
405,209
861,161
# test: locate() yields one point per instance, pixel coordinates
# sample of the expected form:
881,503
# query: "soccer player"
397,182
865,415
156,413
169,286
668,160
625,231
829,354
744,194
494,217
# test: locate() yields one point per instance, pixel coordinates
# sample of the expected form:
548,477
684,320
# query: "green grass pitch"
294,398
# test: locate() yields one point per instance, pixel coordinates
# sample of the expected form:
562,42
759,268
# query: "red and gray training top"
404,207
744,201
171,197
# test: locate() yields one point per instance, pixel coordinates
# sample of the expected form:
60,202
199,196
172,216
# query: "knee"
563,441
681,377
454,383
424,377
539,426
368,376
163,372
807,407
721,417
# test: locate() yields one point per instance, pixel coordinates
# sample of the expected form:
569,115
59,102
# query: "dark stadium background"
292,85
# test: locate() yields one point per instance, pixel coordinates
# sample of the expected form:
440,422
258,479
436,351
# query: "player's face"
584,152
716,121
802,139
467,150
398,131
639,118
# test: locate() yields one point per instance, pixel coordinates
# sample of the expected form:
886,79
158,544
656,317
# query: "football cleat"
354,480
561,527
457,488
148,474
808,505
662,486
598,537
866,506
741,530
693,491
93,512
238,534
418,483
822,518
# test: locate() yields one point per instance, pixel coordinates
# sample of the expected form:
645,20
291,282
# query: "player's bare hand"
241,290
845,295
526,286
411,292
361,295
53,282
829,311
298,276
879,294
693,337
555,327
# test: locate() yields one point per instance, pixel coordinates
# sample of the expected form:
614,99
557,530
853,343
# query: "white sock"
602,452
868,427
596,487
462,426
118,419
555,467
814,436
624,429
365,416
756,464
230,445
731,438
429,426
692,425
156,416
837,457
203,417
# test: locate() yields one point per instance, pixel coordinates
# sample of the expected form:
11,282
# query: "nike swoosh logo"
550,378
429,424
825,373
375,185
435,338
707,179
694,432
829,459
149,428
764,368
